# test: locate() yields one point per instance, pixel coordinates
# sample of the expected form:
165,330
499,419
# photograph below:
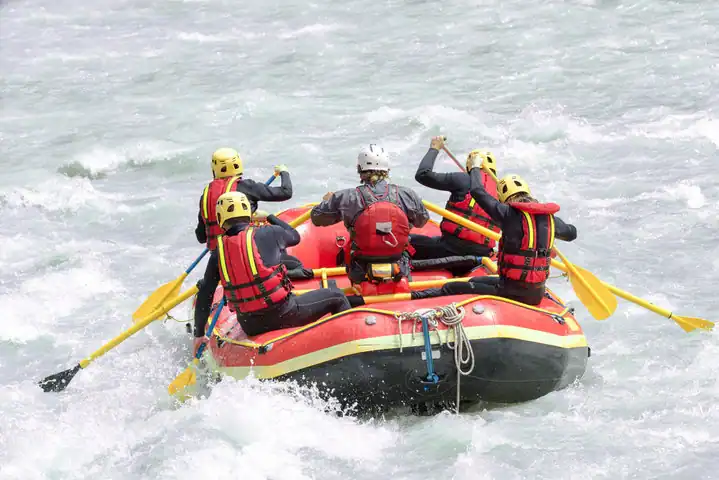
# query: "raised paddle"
687,323
446,150
172,288
188,377
168,290
589,289
599,300
58,381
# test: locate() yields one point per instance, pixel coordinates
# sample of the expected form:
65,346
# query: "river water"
110,112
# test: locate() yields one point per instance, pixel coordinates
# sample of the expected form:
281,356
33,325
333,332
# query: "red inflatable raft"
375,356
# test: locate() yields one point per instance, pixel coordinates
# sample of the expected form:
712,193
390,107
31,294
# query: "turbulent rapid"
111,110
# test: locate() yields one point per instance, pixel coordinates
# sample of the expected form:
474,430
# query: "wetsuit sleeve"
564,231
328,212
417,214
494,208
285,234
265,193
200,232
448,182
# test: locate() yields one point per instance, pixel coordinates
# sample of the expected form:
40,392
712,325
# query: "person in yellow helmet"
529,229
254,279
227,173
456,240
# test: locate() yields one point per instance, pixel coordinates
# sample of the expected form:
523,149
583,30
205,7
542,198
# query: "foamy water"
111,111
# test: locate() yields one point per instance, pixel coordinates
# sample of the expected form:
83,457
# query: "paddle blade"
58,381
689,324
591,293
186,379
158,297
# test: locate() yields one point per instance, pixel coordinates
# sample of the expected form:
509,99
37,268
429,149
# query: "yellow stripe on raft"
391,342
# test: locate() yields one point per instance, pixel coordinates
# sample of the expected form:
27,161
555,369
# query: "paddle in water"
188,377
58,381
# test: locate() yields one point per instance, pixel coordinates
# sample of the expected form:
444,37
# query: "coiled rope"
452,316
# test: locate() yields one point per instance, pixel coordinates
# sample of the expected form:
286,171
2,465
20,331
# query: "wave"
101,161
66,195
685,127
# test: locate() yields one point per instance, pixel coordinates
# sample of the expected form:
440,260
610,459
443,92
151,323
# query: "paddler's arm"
328,212
287,235
265,193
448,182
564,231
200,232
494,208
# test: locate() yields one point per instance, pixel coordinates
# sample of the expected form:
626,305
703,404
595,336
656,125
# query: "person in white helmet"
378,216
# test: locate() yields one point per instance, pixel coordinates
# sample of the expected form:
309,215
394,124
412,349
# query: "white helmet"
373,158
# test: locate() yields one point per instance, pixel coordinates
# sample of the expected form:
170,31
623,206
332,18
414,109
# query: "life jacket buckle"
382,272
340,241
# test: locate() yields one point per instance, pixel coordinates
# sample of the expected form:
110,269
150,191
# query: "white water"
110,111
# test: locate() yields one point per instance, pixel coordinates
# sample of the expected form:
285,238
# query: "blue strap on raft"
431,376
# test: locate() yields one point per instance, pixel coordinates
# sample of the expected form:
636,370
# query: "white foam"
681,127
317,29
692,194
33,307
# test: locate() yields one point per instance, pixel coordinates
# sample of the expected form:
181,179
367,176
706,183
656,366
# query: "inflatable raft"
397,352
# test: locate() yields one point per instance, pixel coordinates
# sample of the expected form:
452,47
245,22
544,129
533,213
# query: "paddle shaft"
197,260
412,285
301,219
446,150
142,323
212,327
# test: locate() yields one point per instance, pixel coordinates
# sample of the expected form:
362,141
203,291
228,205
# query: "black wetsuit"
510,220
296,310
457,184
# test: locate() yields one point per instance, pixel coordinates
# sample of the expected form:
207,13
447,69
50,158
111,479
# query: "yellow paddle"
687,323
168,290
57,382
188,377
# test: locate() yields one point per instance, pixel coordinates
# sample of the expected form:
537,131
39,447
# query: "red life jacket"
530,262
249,285
209,203
469,209
380,232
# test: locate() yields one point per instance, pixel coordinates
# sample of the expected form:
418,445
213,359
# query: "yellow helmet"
511,185
226,162
232,205
487,159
